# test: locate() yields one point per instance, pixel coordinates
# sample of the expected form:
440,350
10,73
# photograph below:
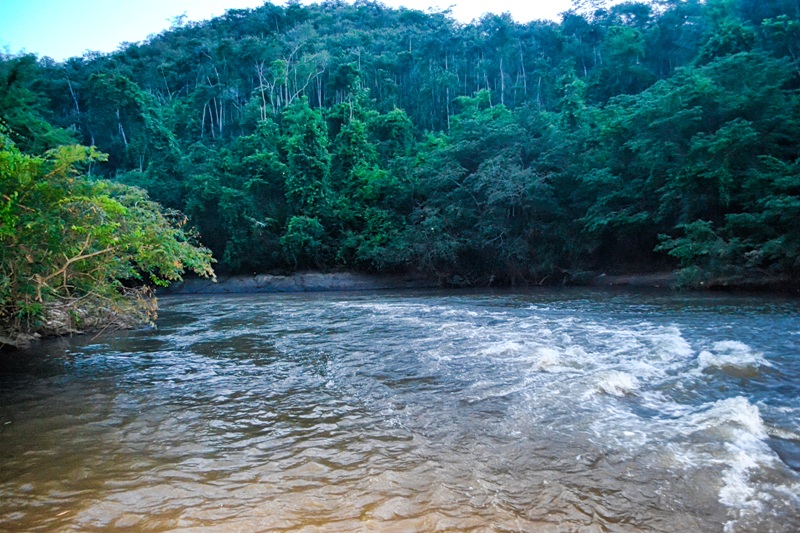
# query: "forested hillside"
642,136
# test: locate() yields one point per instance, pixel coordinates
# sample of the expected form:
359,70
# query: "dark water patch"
788,450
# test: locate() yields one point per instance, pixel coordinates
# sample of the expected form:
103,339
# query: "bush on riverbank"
77,253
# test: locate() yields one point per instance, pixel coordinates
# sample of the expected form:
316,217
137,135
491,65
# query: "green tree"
305,141
235,197
304,242
73,250
25,110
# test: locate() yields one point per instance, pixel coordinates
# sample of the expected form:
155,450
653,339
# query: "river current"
543,411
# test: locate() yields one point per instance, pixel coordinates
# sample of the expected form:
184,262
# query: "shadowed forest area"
639,137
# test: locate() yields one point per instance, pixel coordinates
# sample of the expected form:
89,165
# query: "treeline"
638,136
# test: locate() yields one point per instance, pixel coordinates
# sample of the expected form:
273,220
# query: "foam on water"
547,359
647,363
503,349
724,442
731,356
736,415
671,344
745,449
617,383
728,435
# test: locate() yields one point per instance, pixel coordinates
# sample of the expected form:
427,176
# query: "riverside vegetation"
68,243
635,137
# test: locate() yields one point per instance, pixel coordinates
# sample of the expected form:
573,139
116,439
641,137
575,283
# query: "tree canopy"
635,136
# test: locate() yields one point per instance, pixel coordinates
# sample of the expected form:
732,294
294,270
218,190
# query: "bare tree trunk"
524,74
312,76
121,130
502,84
539,92
217,113
447,103
286,83
211,117
447,91
262,89
164,76
74,96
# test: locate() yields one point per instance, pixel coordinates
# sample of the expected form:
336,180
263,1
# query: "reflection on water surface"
461,411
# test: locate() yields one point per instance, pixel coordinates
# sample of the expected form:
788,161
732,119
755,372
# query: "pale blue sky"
68,28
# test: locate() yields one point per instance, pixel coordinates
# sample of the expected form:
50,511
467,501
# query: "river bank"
300,282
346,281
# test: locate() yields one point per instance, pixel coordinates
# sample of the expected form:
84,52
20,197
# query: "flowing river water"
552,410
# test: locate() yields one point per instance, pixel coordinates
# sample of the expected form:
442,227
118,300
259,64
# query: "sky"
66,28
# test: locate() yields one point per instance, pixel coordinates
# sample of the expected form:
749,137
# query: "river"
545,410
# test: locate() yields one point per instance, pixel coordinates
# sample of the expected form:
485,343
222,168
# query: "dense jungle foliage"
633,137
